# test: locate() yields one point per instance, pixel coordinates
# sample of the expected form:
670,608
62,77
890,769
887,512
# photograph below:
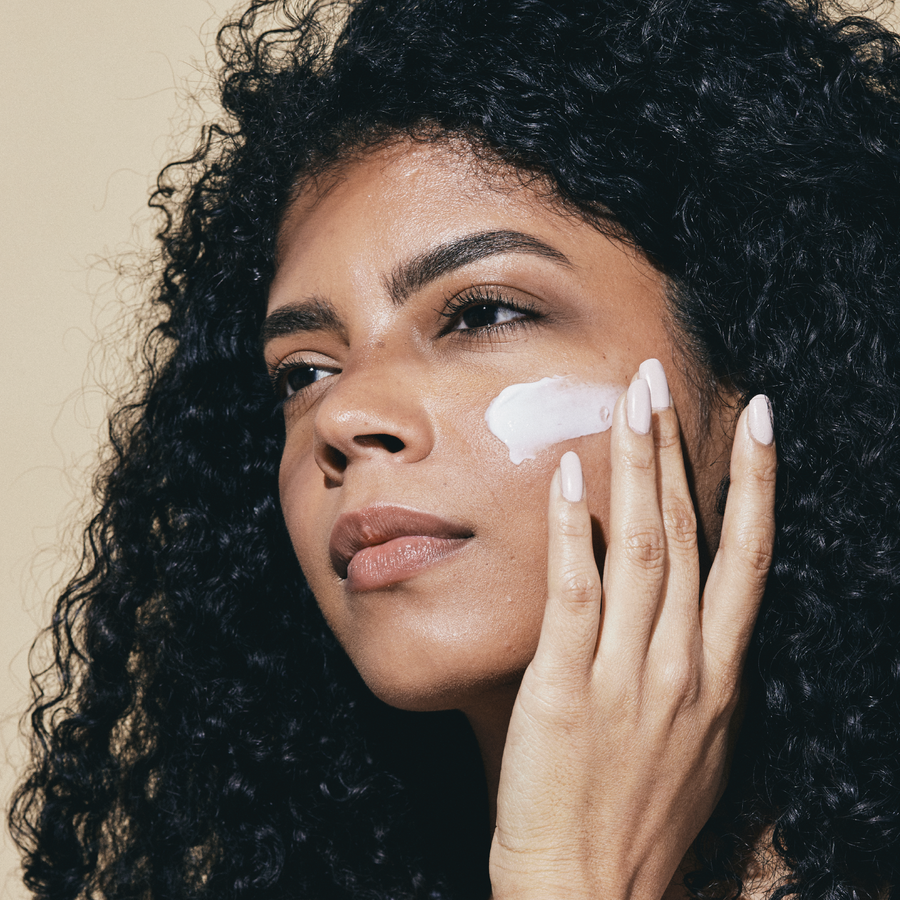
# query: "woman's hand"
618,745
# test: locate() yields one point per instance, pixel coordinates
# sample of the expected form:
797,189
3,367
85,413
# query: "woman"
455,200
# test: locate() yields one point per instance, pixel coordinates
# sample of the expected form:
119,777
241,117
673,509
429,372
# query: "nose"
373,412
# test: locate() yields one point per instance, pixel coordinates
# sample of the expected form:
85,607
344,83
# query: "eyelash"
280,373
454,309
457,306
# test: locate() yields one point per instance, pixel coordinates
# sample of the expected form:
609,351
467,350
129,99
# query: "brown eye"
299,377
485,315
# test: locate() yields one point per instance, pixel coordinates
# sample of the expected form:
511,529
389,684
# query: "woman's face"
411,289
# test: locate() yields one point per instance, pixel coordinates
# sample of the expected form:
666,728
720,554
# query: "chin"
440,681
417,698
438,642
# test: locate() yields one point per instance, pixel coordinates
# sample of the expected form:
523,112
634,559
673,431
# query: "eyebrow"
421,270
317,314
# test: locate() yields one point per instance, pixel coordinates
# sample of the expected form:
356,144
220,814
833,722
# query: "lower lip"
398,559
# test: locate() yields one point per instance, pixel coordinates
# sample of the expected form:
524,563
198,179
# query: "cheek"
536,422
535,416
453,632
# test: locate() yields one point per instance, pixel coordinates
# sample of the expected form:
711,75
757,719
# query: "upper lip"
374,525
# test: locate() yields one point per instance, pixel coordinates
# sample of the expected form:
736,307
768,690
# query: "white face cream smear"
533,416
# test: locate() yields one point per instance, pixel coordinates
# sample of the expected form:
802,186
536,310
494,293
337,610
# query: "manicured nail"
759,418
637,406
652,371
570,478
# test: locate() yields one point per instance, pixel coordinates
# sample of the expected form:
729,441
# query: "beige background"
93,91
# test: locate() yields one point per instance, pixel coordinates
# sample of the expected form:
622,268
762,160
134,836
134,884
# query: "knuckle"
679,678
640,458
668,437
680,523
579,585
574,527
763,471
645,548
755,549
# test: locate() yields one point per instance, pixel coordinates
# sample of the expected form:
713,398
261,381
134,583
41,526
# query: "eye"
300,377
484,311
486,315
293,376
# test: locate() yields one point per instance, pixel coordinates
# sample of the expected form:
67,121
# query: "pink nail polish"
571,479
759,419
638,407
652,371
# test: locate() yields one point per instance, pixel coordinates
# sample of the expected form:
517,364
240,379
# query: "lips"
382,545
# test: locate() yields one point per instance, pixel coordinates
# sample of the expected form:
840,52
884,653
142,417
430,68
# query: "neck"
489,720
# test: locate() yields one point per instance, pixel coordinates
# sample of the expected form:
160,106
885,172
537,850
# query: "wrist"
533,876
527,876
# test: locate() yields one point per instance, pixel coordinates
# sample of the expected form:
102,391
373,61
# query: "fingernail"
652,371
637,406
759,418
570,478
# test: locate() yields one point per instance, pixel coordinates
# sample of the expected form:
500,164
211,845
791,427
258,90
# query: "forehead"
408,173
398,201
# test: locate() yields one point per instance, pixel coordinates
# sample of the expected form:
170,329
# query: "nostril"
335,458
387,441
391,444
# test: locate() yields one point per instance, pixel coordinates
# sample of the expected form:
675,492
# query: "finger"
737,579
572,614
678,615
635,559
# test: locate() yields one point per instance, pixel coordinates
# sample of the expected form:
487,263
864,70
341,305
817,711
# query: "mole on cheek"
533,416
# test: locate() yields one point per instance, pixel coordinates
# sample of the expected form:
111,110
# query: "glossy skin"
396,415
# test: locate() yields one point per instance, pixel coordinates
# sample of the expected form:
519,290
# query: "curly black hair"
201,733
